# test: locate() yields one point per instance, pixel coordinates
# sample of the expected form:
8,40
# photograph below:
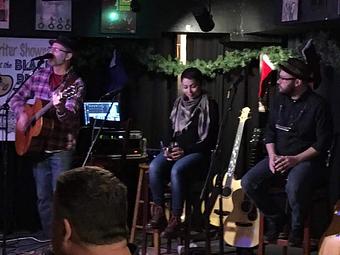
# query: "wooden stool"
142,204
319,194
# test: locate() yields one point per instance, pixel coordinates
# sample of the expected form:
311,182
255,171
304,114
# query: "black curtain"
149,96
232,91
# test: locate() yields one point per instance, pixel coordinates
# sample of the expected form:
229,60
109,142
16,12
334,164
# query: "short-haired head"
193,73
94,202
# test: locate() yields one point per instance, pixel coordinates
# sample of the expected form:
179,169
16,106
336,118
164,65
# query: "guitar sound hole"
245,206
252,216
226,192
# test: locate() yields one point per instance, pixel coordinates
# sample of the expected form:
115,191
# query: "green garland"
223,64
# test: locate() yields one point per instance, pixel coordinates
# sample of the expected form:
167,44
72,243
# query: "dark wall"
85,20
318,10
155,17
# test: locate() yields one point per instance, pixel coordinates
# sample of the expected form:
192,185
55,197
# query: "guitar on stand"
229,184
242,225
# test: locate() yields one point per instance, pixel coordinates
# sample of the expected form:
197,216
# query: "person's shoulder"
41,73
278,99
212,102
317,99
211,99
177,100
45,69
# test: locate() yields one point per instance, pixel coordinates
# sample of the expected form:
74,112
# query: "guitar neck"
236,149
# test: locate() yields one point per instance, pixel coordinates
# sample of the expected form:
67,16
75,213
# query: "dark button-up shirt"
296,125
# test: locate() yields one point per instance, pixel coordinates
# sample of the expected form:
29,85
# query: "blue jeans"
180,173
46,172
301,180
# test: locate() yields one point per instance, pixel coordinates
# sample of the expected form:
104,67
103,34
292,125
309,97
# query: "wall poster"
15,66
4,14
53,15
289,10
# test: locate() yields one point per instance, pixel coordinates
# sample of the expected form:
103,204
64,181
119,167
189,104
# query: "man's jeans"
300,182
46,172
191,167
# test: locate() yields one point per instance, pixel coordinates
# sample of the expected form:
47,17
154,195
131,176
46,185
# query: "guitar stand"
216,153
4,148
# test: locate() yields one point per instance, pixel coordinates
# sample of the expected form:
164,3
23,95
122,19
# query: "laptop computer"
98,110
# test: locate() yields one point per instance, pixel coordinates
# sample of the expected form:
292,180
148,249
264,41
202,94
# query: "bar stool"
319,194
143,205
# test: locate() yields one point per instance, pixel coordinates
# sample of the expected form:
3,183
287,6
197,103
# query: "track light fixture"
203,15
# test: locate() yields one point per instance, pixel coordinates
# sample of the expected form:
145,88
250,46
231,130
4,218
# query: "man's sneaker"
173,229
158,220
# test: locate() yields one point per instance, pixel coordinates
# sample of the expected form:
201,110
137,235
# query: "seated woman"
194,120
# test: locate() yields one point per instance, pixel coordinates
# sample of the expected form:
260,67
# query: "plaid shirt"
64,120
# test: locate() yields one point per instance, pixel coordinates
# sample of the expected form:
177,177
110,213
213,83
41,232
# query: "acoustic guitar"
36,122
241,228
229,184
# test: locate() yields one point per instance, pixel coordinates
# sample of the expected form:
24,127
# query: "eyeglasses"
286,78
54,49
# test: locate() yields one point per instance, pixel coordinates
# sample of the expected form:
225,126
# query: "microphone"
234,84
45,56
112,93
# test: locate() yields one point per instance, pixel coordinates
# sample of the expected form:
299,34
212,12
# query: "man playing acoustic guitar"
297,138
54,143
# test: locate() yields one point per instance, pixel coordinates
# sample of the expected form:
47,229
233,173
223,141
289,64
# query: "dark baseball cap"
298,68
67,42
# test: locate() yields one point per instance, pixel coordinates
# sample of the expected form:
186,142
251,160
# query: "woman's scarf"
183,112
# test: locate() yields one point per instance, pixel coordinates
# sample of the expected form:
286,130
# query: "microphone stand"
5,108
219,179
95,138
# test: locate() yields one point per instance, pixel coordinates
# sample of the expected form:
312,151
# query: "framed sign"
4,14
53,15
289,10
15,67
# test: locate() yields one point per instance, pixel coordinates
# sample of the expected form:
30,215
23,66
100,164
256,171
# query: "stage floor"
31,244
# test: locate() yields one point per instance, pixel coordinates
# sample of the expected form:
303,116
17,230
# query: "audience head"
90,209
